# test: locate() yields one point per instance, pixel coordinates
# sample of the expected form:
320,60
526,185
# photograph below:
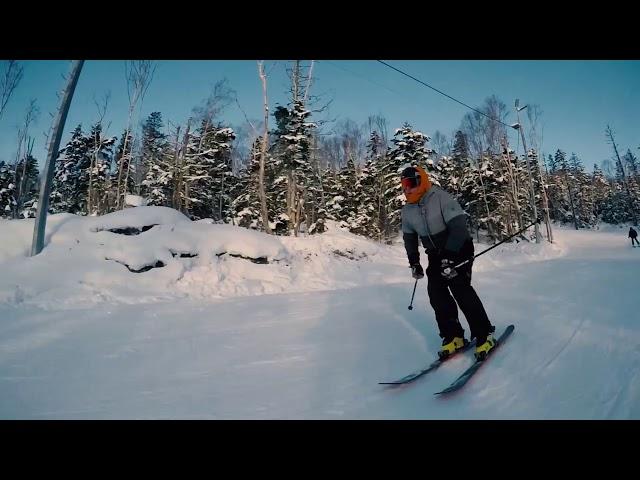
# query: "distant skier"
633,236
436,218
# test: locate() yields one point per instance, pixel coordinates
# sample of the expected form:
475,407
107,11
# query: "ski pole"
494,246
414,292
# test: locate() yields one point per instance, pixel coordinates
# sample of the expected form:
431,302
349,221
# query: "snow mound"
146,254
89,259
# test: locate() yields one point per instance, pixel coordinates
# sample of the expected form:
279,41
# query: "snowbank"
146,254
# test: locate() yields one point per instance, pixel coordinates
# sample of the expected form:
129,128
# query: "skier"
434,217
633,236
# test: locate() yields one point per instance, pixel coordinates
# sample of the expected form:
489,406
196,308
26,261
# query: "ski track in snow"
564,346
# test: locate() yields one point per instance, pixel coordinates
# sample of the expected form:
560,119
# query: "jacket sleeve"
411,246
410,238
456,221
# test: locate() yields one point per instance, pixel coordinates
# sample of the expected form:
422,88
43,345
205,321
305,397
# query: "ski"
419,373
459,382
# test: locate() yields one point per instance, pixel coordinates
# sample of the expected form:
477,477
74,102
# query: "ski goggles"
410,182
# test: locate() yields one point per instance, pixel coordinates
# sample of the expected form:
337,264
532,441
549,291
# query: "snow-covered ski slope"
308,335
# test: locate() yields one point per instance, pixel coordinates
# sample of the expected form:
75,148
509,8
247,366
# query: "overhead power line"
442,93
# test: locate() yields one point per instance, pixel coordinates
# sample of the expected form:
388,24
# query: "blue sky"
578,98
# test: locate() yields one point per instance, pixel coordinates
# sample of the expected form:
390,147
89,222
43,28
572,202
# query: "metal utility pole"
49,166
518,126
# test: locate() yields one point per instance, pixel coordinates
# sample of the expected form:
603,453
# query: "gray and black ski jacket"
440,223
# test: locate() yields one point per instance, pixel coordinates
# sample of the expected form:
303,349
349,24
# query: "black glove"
447,270
416,271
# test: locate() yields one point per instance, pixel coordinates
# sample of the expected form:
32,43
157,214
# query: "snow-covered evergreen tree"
70,182
153,152
342,205
209,176
293,171
615,208
601,190
554,161
159,180
560,201
584,200
276,177
26,179
124,172
245,206
7,190
534,166
371,211
314,195
100,149
488,198
365,221
460,152
632,167
409,149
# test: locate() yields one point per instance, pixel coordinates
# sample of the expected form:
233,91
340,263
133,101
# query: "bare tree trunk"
545,204
543,179
624,175
486,202
138,80
306,92
121,160
291,202
175,197
507,215
513,186
221,199
296,79
22,187
23,177
125,183
196,154
91,201
9,81
94,162
264,212
184,205
94,203
573,210
299,210
292,187
382,211
23,153
315,166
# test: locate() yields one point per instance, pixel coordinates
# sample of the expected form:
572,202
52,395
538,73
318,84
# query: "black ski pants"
444,294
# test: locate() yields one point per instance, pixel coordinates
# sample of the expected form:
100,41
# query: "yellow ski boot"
484,347
450,346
